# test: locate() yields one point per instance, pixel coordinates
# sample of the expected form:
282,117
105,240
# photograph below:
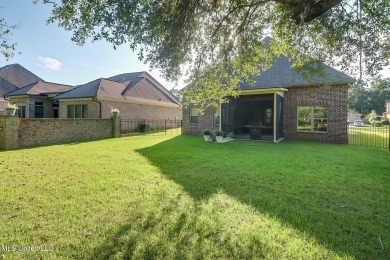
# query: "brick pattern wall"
40,132
205,121
334,97
3,104
139,111
127,110
8,135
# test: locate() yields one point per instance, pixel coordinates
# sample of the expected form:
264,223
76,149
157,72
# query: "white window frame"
191,115
312,118
217,114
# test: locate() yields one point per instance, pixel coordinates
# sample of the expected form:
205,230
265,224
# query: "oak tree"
218,43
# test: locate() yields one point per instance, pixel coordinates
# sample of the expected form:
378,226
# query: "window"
22,111
193,115
217,115
39,110
312,119
77,111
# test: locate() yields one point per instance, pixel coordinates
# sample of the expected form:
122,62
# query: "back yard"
179,197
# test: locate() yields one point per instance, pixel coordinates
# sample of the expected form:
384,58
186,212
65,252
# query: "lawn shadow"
318,189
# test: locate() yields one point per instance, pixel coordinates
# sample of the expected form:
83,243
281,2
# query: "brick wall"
40,132
3,104
140,111
127,110
336,100
205,121
25,132
8,132
334,97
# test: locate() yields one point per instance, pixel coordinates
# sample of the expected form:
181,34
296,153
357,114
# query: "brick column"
116,126
9,128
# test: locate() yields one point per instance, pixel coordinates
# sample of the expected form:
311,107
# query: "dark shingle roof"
127,76
6,87
280,75
87,90
40,88
129,86
136,77
18,75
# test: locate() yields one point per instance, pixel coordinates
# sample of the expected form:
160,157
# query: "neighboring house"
353,115
281,105
37,99
386,114
137,95
13,77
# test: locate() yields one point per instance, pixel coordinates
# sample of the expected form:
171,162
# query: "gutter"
5,97
100,105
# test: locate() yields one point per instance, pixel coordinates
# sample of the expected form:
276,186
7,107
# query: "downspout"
100,105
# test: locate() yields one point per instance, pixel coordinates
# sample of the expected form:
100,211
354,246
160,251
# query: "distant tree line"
364,99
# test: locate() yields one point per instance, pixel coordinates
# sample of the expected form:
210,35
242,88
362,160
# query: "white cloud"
50,63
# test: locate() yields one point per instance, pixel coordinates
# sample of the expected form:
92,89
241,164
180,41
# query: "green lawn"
178,197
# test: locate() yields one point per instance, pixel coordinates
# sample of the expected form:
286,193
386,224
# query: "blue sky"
47,50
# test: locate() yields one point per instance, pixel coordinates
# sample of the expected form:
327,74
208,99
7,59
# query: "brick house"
281,105
37,99
137,95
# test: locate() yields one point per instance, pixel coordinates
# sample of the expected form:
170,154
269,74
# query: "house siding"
29,102
205,121
93,107
140,111
127,110
334,97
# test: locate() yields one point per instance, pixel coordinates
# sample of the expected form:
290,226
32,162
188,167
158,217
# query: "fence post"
9,129
116,126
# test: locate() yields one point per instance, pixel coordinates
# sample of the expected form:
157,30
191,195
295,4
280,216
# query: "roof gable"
88,90
6,87
139,86
127,76
143,88
281,75
18,76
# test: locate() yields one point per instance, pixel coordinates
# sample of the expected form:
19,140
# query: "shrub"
206,132
218,133
10,105
115,110
377,123
385,122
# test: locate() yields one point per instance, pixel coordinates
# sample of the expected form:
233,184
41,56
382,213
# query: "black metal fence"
145,126
368,135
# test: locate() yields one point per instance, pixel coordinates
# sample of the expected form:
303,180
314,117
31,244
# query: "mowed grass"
369,136
157,197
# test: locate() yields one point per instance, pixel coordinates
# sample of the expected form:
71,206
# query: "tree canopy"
364,99
7,47
216,43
